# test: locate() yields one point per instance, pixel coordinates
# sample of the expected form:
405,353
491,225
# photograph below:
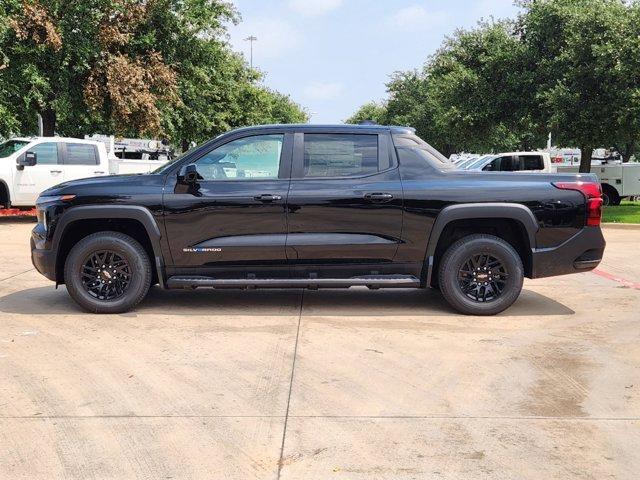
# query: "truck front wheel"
107,272
481,275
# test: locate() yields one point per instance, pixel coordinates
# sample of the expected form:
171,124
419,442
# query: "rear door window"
531,162
81,154
340,155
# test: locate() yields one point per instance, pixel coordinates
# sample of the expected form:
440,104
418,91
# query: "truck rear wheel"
610,196
481,275
108,272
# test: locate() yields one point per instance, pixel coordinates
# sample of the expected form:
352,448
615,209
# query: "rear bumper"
581,253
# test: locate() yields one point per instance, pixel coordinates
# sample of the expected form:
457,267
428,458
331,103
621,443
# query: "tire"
131,276
610,196
616,201
459,260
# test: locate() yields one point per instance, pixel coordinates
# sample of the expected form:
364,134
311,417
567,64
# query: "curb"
622,226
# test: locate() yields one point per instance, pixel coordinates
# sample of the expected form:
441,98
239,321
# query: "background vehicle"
316,206
134,148
514,162
30,165
618,180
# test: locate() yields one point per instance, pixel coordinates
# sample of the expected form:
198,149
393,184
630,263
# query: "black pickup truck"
316,206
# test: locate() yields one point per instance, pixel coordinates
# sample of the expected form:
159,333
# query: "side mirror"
189,174
29,159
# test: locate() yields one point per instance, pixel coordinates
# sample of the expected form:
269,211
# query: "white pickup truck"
30,165
618,180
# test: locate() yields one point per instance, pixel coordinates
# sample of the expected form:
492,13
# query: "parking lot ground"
345,384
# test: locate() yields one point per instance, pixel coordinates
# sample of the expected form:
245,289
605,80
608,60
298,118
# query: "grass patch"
626,212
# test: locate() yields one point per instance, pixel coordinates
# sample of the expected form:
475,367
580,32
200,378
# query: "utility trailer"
618,180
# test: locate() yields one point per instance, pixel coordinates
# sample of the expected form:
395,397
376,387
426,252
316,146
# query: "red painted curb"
609,276
16,212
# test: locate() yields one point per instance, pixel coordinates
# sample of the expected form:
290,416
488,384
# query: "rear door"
345,198
47,172
81,160
235,215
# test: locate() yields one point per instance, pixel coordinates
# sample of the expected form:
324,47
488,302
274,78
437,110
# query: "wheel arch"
138,222
513,222
5,195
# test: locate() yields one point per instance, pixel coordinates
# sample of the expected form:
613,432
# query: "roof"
55,139
520,153
338,126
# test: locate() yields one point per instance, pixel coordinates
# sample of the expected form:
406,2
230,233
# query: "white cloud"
323,90
416,17
313,8
275,38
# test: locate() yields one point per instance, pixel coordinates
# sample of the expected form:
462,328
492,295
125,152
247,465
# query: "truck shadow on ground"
348,302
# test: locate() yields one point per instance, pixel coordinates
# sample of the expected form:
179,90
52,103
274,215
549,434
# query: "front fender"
133,212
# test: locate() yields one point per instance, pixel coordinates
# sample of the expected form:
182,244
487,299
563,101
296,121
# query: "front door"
235,214
46,173
345,199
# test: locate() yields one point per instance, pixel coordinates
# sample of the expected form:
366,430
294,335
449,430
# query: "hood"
110,184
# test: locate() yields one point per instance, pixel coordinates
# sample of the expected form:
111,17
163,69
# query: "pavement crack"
16,275
293,369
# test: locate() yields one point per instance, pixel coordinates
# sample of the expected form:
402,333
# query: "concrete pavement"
345,384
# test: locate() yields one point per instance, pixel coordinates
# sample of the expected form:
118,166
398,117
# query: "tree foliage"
369,111
570,67
130,67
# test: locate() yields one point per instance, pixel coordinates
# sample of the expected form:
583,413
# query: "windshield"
476,163
465,163
12,146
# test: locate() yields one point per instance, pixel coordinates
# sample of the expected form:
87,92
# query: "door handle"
55,171
378,197
99,172
267,197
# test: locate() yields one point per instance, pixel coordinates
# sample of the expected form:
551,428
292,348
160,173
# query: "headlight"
45,201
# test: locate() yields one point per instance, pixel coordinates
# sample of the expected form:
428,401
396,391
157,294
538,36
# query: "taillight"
593,194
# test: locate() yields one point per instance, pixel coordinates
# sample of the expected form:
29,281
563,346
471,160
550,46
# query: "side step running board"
371,281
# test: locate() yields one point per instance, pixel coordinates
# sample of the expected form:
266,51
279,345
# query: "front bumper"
43,259
581,253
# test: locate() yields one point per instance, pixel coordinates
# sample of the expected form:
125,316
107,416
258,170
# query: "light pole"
251,39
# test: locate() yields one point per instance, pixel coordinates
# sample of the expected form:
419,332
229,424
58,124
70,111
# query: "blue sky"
332,56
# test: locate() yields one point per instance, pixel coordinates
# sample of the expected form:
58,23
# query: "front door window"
248,158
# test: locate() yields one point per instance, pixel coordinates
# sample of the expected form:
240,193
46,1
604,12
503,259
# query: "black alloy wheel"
108,272
480,274
483,277
105,275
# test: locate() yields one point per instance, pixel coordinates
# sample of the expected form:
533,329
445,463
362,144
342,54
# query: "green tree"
575,49
8,121
369,111
473,94
480,93
131,67
63,57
